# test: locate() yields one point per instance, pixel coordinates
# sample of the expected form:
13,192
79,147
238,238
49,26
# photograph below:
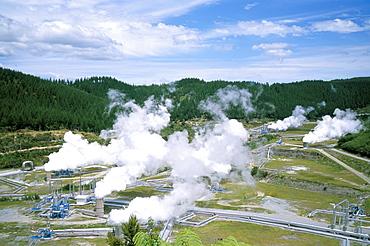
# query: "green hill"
31,102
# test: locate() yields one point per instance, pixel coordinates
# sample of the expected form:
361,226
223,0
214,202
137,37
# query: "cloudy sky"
160,41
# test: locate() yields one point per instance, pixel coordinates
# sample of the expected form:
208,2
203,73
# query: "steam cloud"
224,98
295,120
137,148
329,128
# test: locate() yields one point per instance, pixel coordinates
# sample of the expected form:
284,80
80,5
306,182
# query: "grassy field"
15,227
359,165
247,198
315,170
257,234
140,191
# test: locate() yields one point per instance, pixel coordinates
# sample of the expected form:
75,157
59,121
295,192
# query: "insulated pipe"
48,180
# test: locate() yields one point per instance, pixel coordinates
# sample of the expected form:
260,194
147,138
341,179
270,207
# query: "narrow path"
351,155
32,148
359,174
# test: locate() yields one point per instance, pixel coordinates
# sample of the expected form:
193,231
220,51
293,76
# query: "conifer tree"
130,229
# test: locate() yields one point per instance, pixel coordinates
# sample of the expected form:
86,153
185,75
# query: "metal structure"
60,207
63,173
44,233
24,168
19,186
345,213
82,182
43,202
54,207
280,141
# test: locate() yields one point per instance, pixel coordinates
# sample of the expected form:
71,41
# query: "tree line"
43,104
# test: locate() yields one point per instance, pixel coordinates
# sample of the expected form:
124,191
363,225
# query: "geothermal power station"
137,172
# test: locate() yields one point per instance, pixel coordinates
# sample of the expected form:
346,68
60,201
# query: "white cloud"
78,29
317,63
265,28
57,32
6,52
223,47
11,30
134,41
55,37
338,25
262,28
166,8
287,21
250,5
185,38
145,39
265,46
276,50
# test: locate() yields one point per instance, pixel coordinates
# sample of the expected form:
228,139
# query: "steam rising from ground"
224,98
137,148
329,128
295,120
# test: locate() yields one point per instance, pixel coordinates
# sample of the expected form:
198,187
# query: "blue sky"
160,41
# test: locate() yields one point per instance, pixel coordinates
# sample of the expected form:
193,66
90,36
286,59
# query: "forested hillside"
31,102
356,143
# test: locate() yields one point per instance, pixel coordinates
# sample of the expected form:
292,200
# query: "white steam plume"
329,128
212,153
176,203
231,95
138,149
295,120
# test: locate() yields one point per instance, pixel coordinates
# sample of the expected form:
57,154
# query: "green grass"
240,195
38,176
5,188
10,231
318,170
258,235
359,165
140,191
155,177
304,201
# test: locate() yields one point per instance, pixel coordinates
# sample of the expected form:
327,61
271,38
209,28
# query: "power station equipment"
44,233
60,207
